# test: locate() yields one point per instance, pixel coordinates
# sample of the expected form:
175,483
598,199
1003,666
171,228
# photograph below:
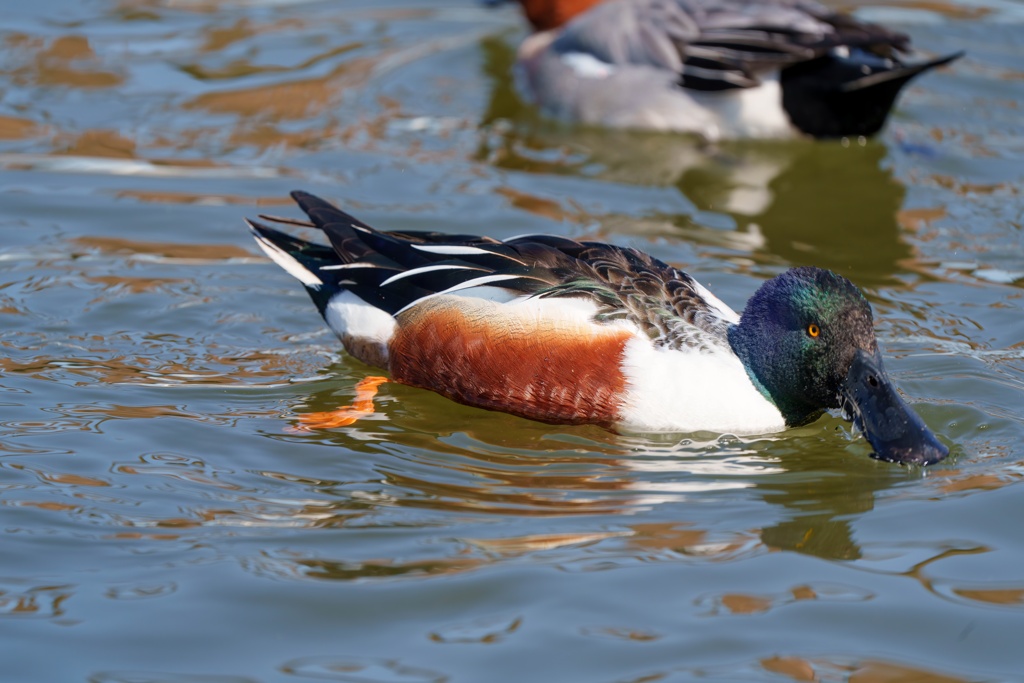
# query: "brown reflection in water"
243,68
133,285
67,61
550,500
980,482
521,545
219,37
355,670
548,208
485,631
918,572
947,9
143,536
483,466
993,596
968,189
170,197
945,481
156,528
386,568
914,219
861,671
99,143
795,668
262,106
50,505
624,634
170,465
432,423
12,128
688,540
61,478
132,412
739,603
237,369
43,602
167,250
734,604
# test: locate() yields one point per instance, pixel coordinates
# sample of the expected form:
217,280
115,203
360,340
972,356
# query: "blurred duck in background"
722,69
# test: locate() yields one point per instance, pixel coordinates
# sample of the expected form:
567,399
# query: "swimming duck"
717,68
576,332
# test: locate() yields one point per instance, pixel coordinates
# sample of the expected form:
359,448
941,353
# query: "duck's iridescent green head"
808,342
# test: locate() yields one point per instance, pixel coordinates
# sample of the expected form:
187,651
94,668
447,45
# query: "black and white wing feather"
394,270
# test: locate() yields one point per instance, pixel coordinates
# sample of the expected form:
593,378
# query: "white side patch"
587,65
568,309
754,112
758,112
680,391
349,316
287,261
575,313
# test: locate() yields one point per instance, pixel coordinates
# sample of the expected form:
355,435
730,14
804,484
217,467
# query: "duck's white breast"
691,391
577,86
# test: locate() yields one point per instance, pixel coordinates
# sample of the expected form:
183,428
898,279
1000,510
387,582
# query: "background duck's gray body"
719,68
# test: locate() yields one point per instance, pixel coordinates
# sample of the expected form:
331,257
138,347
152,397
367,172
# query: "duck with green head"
579,332
807,340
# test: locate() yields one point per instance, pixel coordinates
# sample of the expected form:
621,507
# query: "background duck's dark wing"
724,44
394,270
741,40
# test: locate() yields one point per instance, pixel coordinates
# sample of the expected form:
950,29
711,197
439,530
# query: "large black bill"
894,430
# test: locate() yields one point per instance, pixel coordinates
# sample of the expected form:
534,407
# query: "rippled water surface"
164,521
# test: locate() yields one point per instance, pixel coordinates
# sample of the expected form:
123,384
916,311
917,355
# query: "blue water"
163,521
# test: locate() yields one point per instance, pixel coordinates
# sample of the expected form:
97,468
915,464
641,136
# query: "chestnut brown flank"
541,369
548,14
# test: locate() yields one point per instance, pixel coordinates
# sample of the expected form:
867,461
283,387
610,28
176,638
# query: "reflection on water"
361,670
805,203
859,671
742,603
477,464
40,602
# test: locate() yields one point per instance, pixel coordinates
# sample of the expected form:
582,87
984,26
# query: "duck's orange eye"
813,330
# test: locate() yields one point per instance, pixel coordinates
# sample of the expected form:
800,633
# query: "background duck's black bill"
895,431
834,96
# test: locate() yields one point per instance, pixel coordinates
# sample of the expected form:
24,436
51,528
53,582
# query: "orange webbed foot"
362,406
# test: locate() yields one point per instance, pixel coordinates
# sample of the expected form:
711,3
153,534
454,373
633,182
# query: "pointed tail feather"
287,252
